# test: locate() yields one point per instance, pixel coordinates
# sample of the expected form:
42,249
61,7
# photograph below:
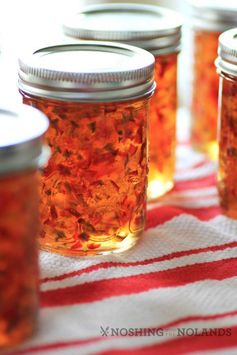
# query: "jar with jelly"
157,30
93,191
209,19
227,174
21,154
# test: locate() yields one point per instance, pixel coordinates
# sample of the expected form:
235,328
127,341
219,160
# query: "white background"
27,23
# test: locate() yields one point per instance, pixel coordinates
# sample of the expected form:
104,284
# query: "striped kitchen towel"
173,293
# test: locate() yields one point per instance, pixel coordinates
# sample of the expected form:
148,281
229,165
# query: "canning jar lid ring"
21,132
213,14
227,52
169,26
87,71
38,162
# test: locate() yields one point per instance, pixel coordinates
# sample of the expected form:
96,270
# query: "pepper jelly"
227,175
209,19
157,30
93,191
21,155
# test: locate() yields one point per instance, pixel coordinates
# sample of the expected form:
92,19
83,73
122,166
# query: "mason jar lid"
216,15
227,52
153,28
88,72
21,131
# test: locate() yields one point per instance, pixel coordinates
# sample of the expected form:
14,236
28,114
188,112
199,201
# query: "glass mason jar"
21,131
93,190
209,19
157,30
227,175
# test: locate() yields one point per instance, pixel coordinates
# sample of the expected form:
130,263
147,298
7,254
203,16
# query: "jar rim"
216,15
88,72
22,129
227,52
147,26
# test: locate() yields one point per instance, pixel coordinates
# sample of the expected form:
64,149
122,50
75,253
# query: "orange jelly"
160,34
227,173
162,129
205,94
20,149
18,257
93,191
209,18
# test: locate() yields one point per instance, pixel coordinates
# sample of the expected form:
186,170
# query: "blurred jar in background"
157,30
20,156
209,19
227,175
169,3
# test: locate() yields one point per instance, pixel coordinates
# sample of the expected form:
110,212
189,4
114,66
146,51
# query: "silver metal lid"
21,131
227,52
216,15
88,72
149,27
